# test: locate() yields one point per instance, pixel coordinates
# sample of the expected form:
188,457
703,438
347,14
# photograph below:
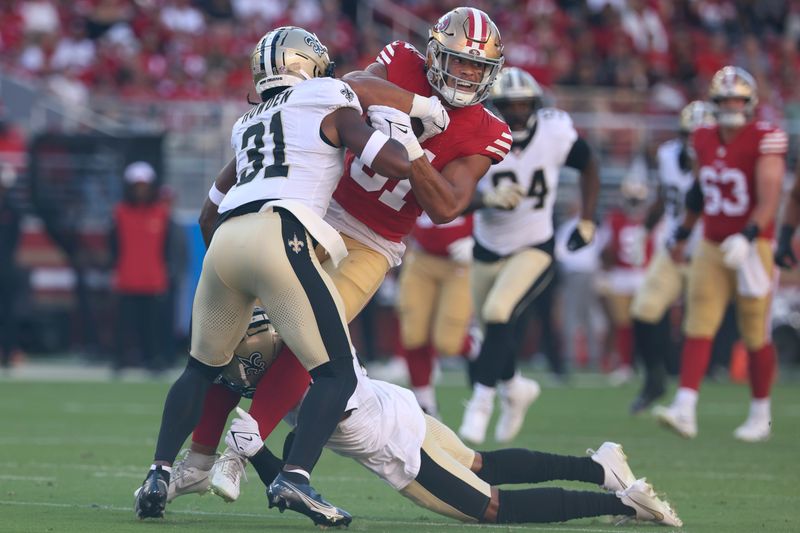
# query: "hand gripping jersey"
535,166
279,152
675,183
388,207
727,175
435,238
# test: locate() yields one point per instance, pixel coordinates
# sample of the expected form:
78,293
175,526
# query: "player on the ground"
387,432
784,253
513,253
740,167
372,213
665,280
289,151
434,307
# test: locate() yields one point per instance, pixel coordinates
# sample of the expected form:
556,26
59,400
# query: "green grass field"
71,455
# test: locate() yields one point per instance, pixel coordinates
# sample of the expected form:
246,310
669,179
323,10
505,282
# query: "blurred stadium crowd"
643,56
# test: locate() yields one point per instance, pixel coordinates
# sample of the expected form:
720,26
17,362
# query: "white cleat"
188,477
515,399
618,475
649,507
682,422
227,474
476,419
754,429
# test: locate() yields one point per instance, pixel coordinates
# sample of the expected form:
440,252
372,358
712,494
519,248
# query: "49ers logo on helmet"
442,24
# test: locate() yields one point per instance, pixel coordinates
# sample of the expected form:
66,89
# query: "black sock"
322,409
652,343
267,465
183,407
497,354
516,465
556,505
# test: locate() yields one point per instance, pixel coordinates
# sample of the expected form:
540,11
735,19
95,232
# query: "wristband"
373,146
414,150
751,231
419,106
215,195
786,233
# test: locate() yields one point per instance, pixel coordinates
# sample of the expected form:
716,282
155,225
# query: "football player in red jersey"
740,164
463,56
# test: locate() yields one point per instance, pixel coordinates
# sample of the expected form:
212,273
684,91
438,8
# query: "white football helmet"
466,33
733,82
286,56
517,96
696,114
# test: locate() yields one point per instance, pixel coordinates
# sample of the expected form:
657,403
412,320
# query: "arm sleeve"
694,198
579,155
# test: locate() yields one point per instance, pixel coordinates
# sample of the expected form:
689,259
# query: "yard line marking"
26,478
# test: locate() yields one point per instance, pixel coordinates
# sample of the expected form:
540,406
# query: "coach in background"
139,245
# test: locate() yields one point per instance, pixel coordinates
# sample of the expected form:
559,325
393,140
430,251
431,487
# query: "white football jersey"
536,168
279,151
675,183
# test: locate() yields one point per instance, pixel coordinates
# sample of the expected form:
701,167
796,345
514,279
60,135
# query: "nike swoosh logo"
658,515
402,130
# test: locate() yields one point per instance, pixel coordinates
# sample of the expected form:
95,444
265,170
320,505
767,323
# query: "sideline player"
741,163
784,254
372,213
262,249
665,280
513,253
387,432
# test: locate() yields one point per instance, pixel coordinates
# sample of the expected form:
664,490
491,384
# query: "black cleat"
303,499
151,498
647,397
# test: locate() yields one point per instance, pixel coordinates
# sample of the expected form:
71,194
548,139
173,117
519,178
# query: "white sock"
686,398
165,468
483,393
760,408
426,398
301,472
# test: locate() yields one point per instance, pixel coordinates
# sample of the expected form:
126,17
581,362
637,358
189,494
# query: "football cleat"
515,398
649,507
646,398
618,475
682,422
476,419
189,478
151,498
226,475
754,429
303,499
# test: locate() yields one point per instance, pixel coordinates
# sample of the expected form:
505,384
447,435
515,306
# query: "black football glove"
784,255
581,235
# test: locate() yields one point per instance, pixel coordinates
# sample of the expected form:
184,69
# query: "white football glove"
507,195
396,125
244,437
432,113
734,250
460,250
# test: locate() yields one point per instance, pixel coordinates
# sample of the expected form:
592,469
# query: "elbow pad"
694,198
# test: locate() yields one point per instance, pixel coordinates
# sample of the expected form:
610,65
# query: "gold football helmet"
469,34
733,82
695,115
286,56
516,96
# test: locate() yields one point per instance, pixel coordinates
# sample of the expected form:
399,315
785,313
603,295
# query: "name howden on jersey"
278,99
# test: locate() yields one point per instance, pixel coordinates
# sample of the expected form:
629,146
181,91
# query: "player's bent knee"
207,371
495,313
646,312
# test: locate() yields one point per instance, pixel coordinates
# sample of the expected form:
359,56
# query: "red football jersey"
435,238
630,241
728,178
389,207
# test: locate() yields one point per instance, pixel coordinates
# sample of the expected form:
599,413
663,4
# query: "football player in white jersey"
665,280
388,433
513,249
289,157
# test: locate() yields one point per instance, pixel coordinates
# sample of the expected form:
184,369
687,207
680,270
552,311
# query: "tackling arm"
446,195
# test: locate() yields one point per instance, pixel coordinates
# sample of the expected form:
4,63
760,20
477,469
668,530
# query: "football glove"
581,235
784,255
433,115
396,125
460,250
507,196
244,437
734,250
